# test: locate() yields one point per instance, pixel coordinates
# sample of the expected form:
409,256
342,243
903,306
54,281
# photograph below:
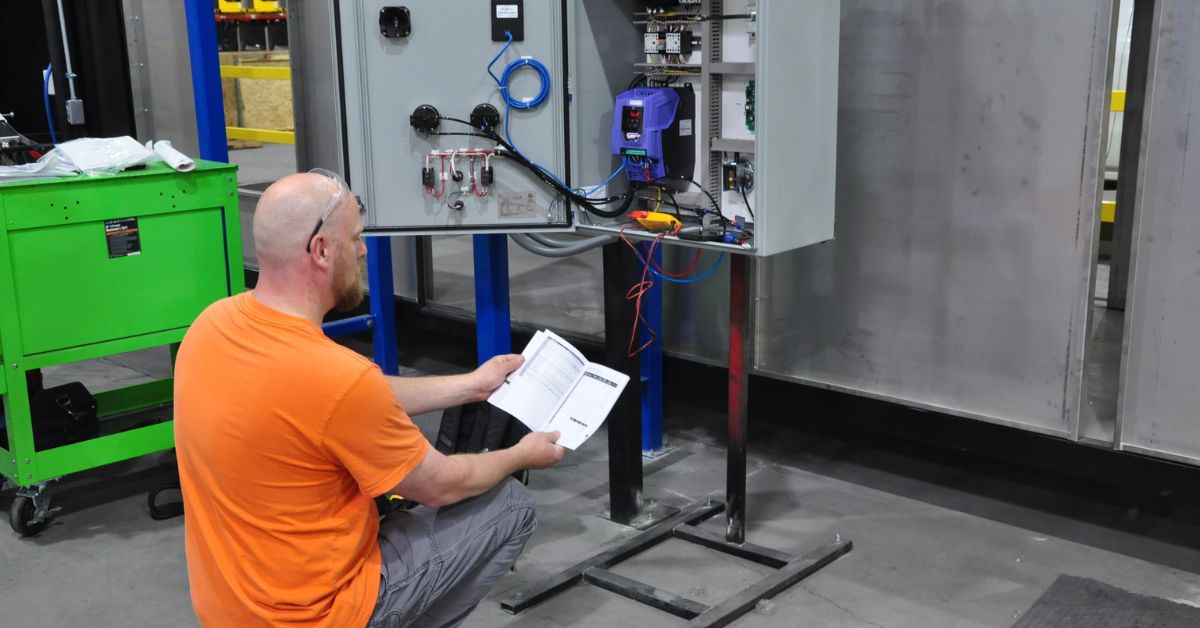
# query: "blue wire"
699,277
46,102
703,275
511,103
506,76
612,176
497,57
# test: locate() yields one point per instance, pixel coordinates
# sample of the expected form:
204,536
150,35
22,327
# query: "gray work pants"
438,563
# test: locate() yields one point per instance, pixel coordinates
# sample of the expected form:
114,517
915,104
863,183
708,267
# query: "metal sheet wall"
968,181
160,73
1158,398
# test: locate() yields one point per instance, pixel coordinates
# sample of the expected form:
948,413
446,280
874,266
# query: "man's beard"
347,286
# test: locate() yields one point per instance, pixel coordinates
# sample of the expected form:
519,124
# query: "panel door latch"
395,22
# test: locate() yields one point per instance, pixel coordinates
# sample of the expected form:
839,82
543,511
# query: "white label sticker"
517,204
635,103
507,12
685,127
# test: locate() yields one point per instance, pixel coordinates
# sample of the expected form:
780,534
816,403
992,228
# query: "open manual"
558,390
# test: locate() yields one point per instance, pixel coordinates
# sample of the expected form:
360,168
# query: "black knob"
485,117
425,119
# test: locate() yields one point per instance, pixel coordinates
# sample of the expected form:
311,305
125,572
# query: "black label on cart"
123,238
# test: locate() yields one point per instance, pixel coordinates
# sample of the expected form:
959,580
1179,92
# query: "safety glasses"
340,188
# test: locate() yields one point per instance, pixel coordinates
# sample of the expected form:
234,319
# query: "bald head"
285,217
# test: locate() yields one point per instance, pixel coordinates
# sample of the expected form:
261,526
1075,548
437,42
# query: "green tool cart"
94,266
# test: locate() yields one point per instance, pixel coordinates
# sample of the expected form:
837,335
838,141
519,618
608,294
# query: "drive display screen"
631,120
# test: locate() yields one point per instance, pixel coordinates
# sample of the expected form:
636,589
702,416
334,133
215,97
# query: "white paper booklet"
558,390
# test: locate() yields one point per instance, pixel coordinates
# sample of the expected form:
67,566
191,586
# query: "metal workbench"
96,266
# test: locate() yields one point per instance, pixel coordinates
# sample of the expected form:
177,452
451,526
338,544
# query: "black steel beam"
556,583
621,272
644,593
726,612
749,551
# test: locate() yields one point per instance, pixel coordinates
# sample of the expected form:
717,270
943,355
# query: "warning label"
123,238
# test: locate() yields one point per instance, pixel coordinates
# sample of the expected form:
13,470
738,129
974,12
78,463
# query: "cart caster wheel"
21,514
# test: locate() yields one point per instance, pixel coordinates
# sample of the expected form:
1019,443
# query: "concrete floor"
938,542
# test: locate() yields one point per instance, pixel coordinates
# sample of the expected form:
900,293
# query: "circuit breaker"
511,116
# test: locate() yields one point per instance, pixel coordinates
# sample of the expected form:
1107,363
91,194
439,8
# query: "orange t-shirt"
284,438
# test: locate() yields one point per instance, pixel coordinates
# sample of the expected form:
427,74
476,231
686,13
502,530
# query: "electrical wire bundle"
651,268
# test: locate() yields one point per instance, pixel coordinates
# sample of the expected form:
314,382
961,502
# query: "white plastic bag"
52,165
104,155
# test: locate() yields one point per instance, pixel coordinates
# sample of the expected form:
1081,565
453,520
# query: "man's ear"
322,250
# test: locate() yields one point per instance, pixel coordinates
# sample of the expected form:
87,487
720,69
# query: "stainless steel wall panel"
968,180
161,73
1158,398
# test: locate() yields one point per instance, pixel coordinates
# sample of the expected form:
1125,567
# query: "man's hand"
488,377
538,451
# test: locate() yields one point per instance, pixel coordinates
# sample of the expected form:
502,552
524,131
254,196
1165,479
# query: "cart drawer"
71,290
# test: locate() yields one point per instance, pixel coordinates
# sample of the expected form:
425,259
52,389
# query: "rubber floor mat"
1073,602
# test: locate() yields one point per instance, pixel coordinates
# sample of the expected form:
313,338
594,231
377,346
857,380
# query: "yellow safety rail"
258,72
260,135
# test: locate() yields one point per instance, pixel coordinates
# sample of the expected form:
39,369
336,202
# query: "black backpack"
476,428
63,415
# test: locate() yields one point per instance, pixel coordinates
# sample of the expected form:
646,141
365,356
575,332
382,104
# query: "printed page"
532,392
588,405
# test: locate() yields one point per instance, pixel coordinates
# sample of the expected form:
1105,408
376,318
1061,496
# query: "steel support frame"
683,526
621,270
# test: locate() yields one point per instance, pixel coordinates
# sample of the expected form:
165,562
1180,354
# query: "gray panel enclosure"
316,108
444,63
969,153
1158,383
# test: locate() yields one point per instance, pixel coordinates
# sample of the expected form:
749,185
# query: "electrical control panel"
571,115
417,105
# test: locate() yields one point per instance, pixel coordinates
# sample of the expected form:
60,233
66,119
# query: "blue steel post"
493,324
206,79
383,303
652,362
